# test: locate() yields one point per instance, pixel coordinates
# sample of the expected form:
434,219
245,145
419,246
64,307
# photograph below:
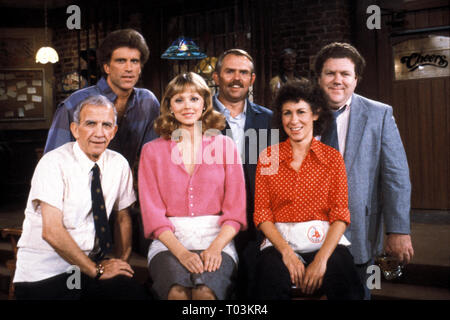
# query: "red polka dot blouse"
318,191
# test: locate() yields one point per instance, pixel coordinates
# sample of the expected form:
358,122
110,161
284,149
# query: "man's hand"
116,267
400,247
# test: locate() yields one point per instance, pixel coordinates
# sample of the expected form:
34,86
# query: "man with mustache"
247,123
365,133
73,191
121,57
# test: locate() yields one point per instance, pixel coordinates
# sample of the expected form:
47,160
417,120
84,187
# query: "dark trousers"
341,280
56,288
247,246
363,275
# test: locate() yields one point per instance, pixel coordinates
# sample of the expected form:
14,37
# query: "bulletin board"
22,94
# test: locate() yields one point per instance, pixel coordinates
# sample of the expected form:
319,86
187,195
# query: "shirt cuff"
160,230
37,199
236,225
263,216
341,214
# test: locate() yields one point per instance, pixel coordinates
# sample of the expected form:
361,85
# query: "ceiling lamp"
46,54
183,49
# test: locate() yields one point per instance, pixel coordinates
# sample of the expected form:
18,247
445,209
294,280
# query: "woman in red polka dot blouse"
301,205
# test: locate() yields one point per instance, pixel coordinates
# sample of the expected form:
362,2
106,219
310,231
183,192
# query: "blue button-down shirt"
237,124
135,127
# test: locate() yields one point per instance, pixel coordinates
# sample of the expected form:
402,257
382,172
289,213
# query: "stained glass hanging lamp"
183,49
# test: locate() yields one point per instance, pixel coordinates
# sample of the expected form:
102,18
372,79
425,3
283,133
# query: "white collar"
84,161
224,109
347,103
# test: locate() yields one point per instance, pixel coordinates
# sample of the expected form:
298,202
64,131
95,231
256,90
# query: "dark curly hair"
121,38
337,50
294,91
166,123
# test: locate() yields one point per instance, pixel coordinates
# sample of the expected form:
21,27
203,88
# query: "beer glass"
390,266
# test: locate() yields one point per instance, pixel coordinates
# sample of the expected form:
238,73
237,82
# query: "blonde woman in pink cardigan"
192,196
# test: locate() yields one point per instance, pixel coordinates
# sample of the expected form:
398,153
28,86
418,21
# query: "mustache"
236,83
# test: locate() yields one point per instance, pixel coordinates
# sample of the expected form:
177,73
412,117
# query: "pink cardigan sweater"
167,190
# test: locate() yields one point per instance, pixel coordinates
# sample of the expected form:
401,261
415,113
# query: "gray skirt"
166,271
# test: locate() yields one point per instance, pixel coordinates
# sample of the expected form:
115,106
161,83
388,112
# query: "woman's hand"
316,269
212,259
294,265
290,259
313,276
191,261
188,259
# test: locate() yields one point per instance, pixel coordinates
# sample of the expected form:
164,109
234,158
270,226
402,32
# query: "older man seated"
63,251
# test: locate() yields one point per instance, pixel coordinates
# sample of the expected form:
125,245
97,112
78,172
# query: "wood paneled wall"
422,106
422,114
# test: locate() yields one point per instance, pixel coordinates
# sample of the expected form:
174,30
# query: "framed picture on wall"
22,93
26,87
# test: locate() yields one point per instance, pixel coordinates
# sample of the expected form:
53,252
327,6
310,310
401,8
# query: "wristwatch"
100,270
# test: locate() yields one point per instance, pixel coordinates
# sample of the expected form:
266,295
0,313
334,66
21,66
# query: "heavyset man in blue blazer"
379,187
248,124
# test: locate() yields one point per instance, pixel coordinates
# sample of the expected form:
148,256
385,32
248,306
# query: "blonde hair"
166,123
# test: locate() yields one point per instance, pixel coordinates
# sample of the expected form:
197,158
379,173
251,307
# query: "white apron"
304,236
194,233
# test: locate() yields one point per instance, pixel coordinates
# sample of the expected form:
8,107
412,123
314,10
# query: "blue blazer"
379,187
257,117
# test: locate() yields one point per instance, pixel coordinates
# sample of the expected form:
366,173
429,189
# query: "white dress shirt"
62,179
342,126
237,124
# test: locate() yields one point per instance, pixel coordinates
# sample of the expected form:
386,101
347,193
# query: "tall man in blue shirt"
121,57
249,125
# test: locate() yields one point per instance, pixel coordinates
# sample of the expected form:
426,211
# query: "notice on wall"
36,98
21,84
29,106
31,90
422,58
36,83
20,113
